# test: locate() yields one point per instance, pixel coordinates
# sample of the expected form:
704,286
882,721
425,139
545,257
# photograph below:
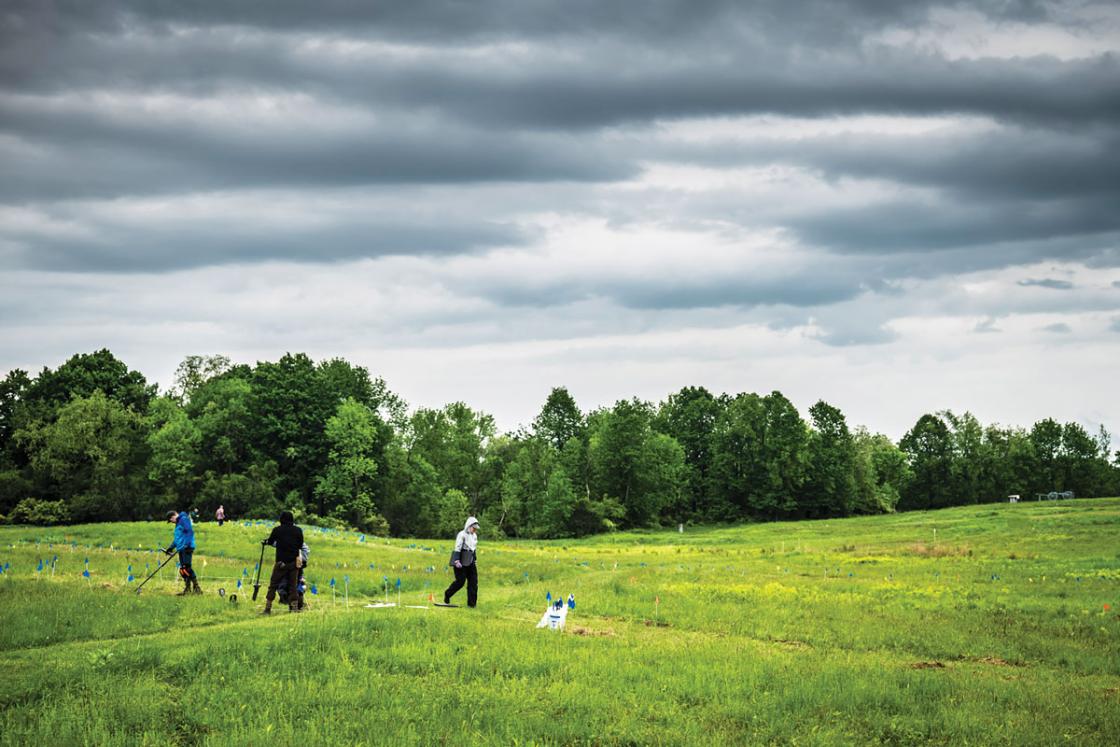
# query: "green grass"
979,625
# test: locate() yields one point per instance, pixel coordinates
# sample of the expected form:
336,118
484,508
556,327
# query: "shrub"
35,511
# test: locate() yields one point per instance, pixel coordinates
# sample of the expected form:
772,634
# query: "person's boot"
197,588
267,608
186,588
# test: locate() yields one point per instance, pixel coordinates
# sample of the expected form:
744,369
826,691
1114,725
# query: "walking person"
464,563
183,542
220,515
288,541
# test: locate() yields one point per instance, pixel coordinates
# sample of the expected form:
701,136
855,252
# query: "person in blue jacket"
183,542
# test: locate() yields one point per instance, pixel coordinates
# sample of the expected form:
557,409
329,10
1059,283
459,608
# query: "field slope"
981,625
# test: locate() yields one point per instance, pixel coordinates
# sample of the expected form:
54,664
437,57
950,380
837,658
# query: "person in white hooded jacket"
464,565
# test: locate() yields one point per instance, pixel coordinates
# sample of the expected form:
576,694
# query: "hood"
470,520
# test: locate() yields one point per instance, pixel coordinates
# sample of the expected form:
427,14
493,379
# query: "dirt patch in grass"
939,551
927,665
996,661
789,643
580,630
655,623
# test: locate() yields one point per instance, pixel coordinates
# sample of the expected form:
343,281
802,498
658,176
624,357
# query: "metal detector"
257,583
157,570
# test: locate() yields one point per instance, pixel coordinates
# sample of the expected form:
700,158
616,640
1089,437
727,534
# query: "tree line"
93,441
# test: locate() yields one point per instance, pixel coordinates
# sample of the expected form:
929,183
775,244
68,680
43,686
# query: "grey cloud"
986,326
1115,325
128,157
440,20
708,65
222,241
1051,283
1004,162
1059,328
934,225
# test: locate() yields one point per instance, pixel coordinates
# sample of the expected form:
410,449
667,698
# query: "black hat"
287,518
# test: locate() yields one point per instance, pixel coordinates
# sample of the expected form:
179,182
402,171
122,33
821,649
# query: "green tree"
82,375
1078,462
346,490
413,496
629,462
830,487
559,420
880,472
523,487
93,455
929,450
221,410
690,416
290,403
453,440
13,389
759,450
173,443
1046,439
193,372
557,506
452,511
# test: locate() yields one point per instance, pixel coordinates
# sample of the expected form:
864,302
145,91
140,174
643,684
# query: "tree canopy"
92,440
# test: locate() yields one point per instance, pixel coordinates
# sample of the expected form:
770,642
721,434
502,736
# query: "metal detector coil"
221,592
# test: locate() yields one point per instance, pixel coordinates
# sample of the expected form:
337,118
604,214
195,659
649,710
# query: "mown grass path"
981,625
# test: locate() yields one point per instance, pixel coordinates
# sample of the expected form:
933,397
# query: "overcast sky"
898,207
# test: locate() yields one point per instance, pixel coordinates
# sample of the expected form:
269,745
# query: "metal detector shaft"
149,578
257,583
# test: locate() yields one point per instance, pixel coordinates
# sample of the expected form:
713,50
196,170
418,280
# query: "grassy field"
983,625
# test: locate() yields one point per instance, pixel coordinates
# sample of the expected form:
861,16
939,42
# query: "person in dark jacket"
463,562
288,540
183,542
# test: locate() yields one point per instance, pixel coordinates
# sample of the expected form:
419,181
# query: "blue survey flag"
86,573
40,565
332,583
571,601
548,596
398,583
238,583
314,589
130,578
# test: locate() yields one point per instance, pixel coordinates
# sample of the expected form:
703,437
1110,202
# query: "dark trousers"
468,575
279,571
185,569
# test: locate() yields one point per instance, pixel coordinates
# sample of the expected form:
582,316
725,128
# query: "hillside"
994,624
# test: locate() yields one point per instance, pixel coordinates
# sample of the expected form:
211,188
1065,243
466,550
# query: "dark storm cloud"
189,244
1002,162
102,100
1016,231
441,20
1051,283
122,157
